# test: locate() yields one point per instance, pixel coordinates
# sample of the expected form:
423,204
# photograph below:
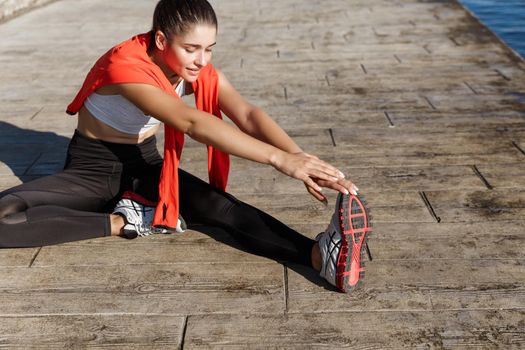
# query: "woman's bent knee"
10,205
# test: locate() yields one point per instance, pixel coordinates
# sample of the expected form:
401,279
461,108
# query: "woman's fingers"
315,173
333,186
311,183
344,186
317,195
318,174
328,169
315,164
322,170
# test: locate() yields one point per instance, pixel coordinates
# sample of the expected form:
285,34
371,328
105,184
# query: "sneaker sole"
355,226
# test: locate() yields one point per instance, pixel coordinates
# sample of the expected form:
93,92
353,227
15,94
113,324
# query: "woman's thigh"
72,188
201,203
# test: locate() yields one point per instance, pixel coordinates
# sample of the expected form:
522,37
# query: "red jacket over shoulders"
128,62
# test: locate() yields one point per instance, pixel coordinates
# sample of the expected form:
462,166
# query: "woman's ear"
161,42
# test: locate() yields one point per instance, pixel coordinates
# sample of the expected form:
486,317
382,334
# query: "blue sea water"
506,18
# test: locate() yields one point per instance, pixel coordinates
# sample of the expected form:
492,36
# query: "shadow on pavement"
29,153
222,236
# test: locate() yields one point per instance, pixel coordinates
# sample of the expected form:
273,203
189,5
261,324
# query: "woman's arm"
251,119
257,123
210,130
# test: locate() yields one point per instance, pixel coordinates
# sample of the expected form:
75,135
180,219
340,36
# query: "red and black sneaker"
343,243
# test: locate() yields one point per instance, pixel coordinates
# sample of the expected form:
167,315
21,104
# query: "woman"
115,182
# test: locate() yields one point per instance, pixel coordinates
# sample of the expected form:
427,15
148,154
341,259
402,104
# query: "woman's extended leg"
200,203
45,225
49,211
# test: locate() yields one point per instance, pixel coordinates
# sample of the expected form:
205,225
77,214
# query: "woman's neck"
157,59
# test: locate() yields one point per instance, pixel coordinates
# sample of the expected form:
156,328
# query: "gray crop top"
120,114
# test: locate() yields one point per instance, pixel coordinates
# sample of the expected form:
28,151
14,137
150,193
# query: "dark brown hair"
175,17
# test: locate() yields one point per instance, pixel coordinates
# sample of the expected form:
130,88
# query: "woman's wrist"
275,157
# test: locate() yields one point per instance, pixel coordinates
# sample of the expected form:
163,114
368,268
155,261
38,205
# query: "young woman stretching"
115,182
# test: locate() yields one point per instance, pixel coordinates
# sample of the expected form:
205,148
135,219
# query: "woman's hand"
342,185
314,172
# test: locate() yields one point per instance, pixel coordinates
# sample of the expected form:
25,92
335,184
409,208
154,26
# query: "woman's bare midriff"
93,128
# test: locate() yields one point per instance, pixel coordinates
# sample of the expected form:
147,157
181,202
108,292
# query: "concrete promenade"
418,103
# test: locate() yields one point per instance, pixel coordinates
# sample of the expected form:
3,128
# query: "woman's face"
188,53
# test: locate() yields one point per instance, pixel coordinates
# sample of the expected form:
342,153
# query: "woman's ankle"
117,224
317,261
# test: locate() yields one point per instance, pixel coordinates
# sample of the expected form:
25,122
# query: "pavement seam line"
33,258
429,206
183,332
285,285
483,179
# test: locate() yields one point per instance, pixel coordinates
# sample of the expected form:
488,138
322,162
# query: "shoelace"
147,230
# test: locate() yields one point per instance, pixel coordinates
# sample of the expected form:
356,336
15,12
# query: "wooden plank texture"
134,288
17,257
416,285
189,248
485,205
92,332
298,208
361,330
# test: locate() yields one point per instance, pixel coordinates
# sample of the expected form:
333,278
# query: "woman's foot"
138,218
138,214
343,243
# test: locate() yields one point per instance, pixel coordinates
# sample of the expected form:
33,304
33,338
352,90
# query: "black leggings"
75,204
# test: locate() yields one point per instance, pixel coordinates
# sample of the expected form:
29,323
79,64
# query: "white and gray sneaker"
139,214
342,243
